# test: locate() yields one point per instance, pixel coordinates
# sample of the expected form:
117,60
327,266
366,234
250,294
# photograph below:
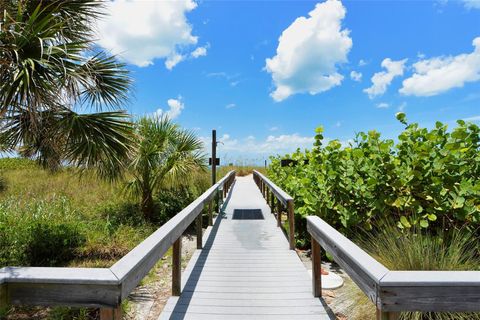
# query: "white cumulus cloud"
175,108
141,31
440,74
356,76
309,51
381,80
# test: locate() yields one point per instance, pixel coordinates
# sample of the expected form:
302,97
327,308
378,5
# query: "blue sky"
349,66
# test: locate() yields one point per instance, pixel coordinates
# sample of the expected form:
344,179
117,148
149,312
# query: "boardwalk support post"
111,313
200,230
386,315
272,205
3,297
177,267
279,214
316,268
210,213
291,224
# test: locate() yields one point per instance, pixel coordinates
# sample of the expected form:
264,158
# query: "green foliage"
163,154
50,70
16,163
427,179
52,244
38,233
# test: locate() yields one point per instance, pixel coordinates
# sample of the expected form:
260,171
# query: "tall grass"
89,221
415,249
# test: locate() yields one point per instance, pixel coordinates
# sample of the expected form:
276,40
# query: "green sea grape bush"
427,178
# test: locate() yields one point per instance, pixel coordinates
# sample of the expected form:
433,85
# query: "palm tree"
50,71
164,154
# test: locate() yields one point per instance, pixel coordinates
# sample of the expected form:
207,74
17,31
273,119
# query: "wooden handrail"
107,287
393,291
270,192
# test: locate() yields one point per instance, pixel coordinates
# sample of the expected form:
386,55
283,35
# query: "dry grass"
414,250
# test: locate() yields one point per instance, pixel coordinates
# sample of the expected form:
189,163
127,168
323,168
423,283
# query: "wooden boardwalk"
245,270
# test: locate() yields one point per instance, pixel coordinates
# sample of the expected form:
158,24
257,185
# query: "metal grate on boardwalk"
245,270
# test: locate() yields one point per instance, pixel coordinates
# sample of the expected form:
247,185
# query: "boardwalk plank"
245,270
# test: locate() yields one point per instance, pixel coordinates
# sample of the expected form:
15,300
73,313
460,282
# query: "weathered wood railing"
393,291
107,287
270,192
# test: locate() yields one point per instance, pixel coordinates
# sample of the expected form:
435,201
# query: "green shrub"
38,232
428,178
52,244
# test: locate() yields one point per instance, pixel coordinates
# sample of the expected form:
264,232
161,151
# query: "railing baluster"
291,224
210,213
200,230
111,313
177,267
387,315
316,268
279,214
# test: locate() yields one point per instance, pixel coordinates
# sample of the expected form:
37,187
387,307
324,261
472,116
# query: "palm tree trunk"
147,205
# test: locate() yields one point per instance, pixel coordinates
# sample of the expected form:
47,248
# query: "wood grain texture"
381,315
427,298
111,313
64,294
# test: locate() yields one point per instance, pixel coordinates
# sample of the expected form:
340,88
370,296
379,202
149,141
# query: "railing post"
316,268
3,297
177,267
210,213
279,214
111,313
200,230
387,315
291,224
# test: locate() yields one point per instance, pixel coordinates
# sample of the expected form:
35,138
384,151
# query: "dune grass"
416,249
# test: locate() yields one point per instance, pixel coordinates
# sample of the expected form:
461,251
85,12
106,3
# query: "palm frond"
99,141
